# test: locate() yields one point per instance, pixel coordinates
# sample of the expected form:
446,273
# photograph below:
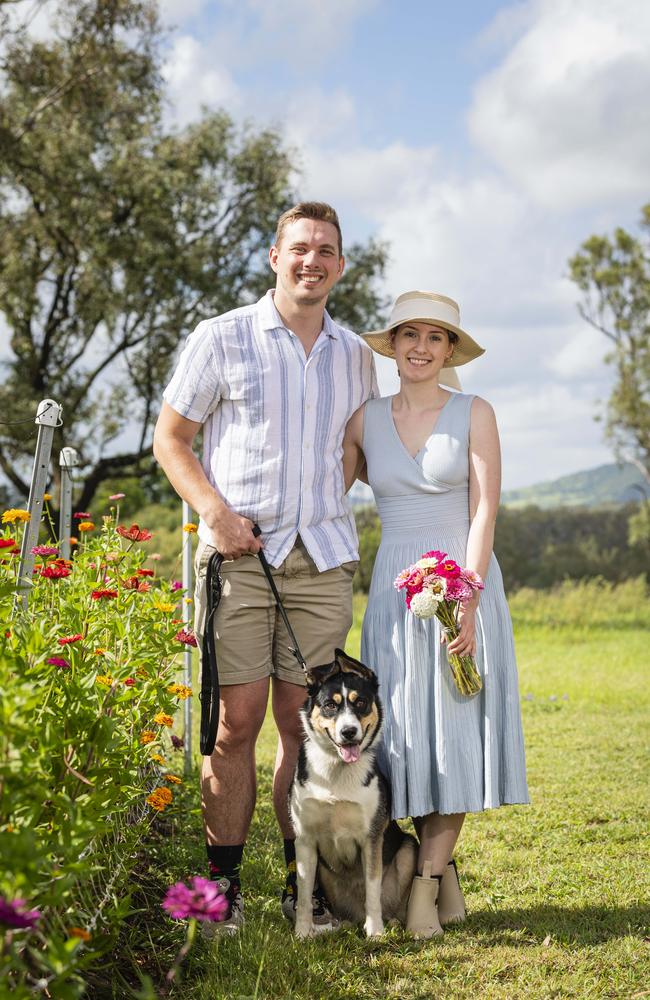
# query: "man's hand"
232,534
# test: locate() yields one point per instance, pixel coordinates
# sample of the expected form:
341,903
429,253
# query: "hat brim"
465,350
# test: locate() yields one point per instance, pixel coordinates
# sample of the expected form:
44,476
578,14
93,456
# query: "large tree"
119,233
613,274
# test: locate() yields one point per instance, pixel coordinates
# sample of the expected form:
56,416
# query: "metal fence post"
68,459
48,416
187,617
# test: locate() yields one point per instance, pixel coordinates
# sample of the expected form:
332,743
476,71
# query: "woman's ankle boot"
422,912
451,904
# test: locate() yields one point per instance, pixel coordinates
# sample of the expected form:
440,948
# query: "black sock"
224,862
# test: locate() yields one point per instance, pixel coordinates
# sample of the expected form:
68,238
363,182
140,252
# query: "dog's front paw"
304,929
374,927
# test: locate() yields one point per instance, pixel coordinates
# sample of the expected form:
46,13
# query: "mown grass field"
557,891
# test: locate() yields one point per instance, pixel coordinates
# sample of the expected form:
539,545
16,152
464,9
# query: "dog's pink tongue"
350,754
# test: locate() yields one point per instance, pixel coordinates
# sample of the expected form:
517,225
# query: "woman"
432,459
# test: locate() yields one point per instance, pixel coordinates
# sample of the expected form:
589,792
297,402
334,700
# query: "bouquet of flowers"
436,585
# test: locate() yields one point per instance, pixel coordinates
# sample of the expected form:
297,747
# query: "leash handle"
295,649
210,689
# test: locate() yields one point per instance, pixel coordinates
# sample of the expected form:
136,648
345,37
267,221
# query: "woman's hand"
465,642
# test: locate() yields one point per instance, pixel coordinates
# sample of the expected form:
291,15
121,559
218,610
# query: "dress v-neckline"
414,458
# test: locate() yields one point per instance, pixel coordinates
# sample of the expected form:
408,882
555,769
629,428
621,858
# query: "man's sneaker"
322,917
235,918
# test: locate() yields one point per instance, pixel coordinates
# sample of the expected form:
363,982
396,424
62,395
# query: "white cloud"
194,79
566,113
176,12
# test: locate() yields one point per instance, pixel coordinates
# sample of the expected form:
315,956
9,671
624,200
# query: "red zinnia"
103,595
186,636
6,543
54,572
82,515
69,638
135,533
144,572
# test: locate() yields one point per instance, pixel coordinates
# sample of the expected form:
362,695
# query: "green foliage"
77,738
540,548
614,276
119,234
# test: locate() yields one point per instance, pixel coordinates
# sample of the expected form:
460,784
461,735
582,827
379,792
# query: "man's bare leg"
228,785
287,699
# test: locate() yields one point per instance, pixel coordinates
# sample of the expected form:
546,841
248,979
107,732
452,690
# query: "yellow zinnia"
104,679
147,736
85,526
163,720
173,779
15,514
190,528
180,690
163,606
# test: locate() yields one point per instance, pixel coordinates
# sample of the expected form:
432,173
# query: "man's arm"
172,447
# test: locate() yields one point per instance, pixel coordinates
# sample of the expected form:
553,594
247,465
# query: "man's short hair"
318,210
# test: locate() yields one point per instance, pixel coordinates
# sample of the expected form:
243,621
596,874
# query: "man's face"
307,261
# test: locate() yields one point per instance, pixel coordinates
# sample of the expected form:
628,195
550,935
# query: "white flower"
425,604
428,563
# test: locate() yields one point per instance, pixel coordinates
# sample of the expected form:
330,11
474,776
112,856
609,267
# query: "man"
272,385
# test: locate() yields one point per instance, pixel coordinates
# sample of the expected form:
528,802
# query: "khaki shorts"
251,639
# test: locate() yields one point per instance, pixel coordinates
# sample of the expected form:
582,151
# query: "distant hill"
605,485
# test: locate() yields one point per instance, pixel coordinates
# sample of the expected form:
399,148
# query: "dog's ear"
316,676
351,666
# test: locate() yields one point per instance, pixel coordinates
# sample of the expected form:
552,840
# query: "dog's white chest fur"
335,816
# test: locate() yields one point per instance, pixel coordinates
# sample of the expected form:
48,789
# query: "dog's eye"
329,705
361,704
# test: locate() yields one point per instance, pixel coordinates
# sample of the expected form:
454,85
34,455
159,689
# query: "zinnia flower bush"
436,586
83,738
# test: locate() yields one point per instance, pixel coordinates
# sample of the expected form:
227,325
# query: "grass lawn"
556,891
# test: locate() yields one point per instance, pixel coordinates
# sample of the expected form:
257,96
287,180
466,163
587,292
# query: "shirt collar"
270,318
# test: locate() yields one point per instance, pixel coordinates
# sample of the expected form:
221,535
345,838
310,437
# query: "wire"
30,420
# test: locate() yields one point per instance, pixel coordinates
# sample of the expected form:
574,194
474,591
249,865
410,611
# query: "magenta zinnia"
184,635
14,914
203,901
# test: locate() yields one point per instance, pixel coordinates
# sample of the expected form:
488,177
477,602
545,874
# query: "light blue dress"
443,752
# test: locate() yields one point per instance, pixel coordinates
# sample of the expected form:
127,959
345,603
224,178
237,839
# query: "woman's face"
421,350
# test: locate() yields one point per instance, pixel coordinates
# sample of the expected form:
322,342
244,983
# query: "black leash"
210,692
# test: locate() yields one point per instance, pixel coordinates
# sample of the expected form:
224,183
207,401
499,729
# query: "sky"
482,141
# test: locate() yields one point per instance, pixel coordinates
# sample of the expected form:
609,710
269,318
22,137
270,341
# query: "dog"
339,803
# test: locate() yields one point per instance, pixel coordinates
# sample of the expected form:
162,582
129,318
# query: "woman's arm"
484,493
354,462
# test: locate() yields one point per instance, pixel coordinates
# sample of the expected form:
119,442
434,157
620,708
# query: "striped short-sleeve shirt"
273,423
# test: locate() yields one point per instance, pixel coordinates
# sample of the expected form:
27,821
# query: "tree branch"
10,472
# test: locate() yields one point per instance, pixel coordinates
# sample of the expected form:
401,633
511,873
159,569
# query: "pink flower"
474,580
129,682
177,585
402,578
448,568
45,550
458,589
70,638
13,914
177,742
203,901
117,496
58,661
186,636
82,515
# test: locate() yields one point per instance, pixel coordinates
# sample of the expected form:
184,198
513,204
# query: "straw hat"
427,307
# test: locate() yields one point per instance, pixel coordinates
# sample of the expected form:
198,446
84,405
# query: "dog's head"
343,712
